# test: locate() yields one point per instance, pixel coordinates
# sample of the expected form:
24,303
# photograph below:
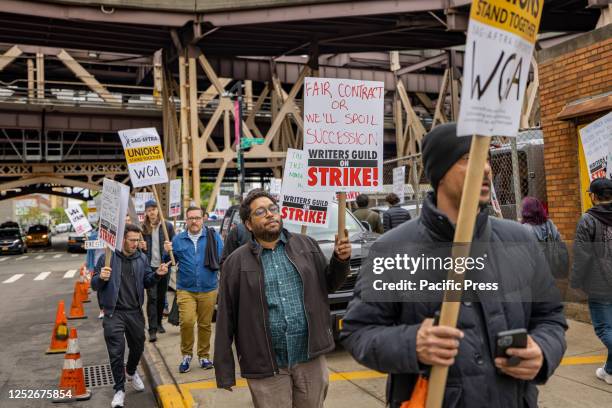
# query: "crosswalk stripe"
57,256
3,259
22,257
70,273
74,255
40,257
13,278
42,276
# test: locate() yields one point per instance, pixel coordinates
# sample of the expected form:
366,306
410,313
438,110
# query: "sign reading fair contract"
498,52
595,139
174,201
78,220
297,206
112,213
145,159
399,182
343,134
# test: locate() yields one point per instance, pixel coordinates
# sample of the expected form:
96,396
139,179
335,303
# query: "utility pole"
236,91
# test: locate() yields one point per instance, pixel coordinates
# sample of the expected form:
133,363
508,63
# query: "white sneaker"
118,400
101,315
602,375
137,383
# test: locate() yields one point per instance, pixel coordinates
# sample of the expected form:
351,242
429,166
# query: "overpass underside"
72,74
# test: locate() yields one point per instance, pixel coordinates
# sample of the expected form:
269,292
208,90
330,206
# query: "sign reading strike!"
78,220
174,202
596,139
297,205
498,52
343,134
144,156
112,213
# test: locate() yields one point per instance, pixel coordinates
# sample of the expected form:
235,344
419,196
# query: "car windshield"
327,233
9,233
37,229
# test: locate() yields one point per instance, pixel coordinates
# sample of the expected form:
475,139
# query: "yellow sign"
520,17
143,154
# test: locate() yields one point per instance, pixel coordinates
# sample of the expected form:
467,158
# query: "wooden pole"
163,222
303,229
468,210
341,214
107,256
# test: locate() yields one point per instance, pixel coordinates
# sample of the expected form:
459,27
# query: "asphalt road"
28,302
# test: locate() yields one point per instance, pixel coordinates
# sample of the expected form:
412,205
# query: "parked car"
12,242
76,243
61,228
359,236
38,235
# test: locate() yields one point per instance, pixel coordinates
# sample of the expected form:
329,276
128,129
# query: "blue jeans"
601,315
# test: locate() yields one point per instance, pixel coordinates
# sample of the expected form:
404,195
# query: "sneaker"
160,329
137,383
206,363
184,366
602,375
118,400
101,315
152,337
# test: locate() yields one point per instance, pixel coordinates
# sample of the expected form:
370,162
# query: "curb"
167,393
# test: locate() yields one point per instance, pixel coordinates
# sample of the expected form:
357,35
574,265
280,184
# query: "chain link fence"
527,174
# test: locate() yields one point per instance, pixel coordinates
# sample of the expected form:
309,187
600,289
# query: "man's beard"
261,233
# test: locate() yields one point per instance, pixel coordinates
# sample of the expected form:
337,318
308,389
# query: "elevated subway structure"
74,72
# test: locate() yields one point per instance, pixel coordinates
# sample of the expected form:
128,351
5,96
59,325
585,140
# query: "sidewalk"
573,385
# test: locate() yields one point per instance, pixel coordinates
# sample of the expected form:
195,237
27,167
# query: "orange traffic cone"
76,307
86,278
72,380
59,337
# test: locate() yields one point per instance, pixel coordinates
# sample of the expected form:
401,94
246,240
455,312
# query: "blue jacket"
90,259
109,290
192,275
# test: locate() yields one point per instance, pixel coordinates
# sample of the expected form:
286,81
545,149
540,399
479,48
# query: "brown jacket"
242,310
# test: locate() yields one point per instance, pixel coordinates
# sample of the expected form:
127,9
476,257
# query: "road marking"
40,257
13,278
74,255
42,276
3,259
22,257
57,256
583,360
70,273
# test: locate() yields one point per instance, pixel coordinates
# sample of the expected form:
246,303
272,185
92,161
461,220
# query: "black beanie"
441,148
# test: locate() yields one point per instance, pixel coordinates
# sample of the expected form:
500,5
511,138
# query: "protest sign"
223,202
297,205
174,199
399,182
498,52
275,187
595,139
78,219
145,159
350,196
140,199
343,134
112,213
609,162
97,244
92,211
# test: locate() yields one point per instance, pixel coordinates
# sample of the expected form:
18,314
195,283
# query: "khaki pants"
192,306
302,386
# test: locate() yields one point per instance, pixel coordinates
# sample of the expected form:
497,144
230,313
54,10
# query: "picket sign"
496,64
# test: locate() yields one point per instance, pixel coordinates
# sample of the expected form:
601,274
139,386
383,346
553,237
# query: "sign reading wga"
144,156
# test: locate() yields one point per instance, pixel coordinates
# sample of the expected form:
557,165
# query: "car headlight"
16,241
29,237
44,236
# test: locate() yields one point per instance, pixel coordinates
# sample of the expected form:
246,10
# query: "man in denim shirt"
196,284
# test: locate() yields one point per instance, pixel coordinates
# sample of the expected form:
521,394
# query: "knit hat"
150,203
441,148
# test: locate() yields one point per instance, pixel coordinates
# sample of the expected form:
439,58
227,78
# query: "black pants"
124,325
156,298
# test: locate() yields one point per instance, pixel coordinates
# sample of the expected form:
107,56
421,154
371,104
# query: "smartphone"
516,338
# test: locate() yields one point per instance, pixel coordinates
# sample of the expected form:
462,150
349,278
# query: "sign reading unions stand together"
144,156
498,52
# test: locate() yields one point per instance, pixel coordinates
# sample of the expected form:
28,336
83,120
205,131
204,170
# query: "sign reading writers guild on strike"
498,52
174,199
297,205
596,139
145,159
78,220
112,213
343,134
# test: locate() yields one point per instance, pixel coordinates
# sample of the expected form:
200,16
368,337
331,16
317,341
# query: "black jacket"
592,267
382,336
109,290
149,240
242,310
395,216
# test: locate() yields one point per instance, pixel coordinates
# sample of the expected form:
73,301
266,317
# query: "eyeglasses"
194,218
261,211
134,240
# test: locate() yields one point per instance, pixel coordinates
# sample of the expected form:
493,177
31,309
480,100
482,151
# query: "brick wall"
573,70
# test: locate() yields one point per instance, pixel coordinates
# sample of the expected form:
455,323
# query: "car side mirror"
366,225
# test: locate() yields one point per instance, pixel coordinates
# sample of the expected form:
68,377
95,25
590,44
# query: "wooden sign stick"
464,231
107,256
303,229
163,221
341,215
